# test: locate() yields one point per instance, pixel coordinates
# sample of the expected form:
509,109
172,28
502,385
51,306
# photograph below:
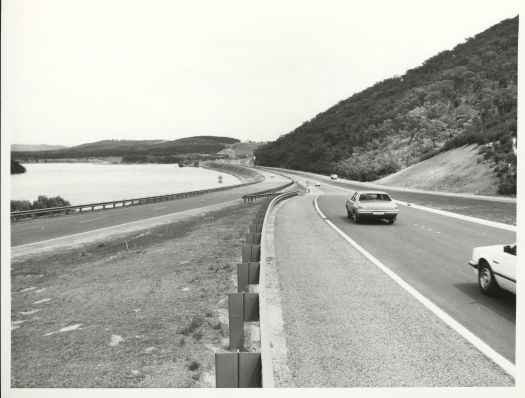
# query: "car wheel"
391,221
355,217
486,281
348,213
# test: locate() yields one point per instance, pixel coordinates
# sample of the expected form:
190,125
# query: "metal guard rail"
16,215
268,192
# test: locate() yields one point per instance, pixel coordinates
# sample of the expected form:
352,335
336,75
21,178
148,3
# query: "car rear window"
374,196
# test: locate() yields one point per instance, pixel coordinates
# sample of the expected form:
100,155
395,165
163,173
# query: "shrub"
20,205
194,324
507,186
194,365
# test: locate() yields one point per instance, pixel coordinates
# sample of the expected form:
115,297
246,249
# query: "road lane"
26,232
348,324
430,252
499,209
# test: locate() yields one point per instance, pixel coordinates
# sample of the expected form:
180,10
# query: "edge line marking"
483,347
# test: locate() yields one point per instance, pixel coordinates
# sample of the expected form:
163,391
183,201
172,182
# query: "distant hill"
467,95
241,149
34,148
200,145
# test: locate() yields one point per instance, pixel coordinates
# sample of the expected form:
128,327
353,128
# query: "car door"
350,203
504,268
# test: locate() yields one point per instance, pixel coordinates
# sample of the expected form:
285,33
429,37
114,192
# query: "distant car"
495,267
333,176
371,205
317,184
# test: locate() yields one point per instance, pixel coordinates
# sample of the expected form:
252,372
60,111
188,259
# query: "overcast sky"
82,71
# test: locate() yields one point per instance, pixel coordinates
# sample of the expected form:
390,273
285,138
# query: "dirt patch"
149,314
457,170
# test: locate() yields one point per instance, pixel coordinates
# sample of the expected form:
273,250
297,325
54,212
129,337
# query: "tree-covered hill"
462,96
16,167
200,144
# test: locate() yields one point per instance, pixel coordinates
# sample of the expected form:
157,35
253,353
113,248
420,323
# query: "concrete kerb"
266,353
249,307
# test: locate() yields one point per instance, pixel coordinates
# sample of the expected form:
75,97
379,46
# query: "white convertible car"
495,267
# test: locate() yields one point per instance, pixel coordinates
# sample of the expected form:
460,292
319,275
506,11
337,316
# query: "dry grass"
119,318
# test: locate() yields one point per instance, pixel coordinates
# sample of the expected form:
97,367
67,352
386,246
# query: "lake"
81,183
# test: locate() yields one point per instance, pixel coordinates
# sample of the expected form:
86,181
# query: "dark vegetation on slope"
463,96
200,144
16,167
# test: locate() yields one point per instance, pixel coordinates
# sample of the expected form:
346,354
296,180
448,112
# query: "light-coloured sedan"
495,267
371,205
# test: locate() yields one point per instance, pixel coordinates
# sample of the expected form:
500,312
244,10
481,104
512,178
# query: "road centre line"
489,352
127,223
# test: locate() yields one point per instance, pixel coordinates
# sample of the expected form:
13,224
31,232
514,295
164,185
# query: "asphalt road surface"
499,209
430,252
27,232
346,323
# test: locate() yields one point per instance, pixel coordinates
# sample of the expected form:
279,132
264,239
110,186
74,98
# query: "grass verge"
145,314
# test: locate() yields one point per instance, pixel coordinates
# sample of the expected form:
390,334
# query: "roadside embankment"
146,309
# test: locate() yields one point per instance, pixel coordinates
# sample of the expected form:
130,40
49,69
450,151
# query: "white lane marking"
160,208
489,352
126,223
488,223
91,220
481,221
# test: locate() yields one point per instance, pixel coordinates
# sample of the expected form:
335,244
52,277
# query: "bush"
20,205
507,186
43,202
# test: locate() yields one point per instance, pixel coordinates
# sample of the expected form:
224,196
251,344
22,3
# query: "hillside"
241,149
16,167
467,95
34,148
456,170
135,148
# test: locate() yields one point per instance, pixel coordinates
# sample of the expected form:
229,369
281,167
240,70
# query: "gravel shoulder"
347,324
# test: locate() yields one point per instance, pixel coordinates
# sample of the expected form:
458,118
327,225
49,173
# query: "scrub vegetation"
43,202
467,95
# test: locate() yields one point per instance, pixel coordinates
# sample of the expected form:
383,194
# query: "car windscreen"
374,196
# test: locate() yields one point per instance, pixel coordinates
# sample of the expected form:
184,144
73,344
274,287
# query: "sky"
83,71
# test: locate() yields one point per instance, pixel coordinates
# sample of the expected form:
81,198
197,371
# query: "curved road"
39,230
430,252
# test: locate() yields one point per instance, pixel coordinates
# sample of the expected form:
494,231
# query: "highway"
43,229
430,252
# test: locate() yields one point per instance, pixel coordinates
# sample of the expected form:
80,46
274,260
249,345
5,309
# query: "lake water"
81,183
